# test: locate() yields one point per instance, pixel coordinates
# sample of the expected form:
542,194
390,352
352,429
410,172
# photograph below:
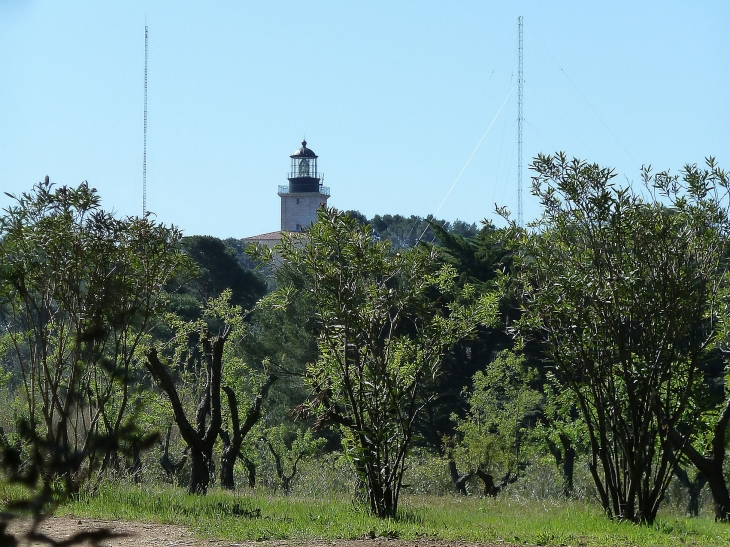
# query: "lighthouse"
305,194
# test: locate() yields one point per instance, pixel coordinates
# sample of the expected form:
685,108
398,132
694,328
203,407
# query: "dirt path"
130,533
140,534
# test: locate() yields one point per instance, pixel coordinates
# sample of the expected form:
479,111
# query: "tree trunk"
232,446
694,491
712,469
199,474
201,438
694,488
284,479
228,461
711,465
135,470
171,468
490,489
459,481
720,497
568,465
250,469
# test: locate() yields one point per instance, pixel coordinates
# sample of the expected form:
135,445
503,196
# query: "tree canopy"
78,290
625,295
379,339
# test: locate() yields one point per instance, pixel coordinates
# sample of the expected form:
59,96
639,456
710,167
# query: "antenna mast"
144,154
519,127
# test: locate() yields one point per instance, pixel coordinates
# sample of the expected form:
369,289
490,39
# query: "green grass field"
251,516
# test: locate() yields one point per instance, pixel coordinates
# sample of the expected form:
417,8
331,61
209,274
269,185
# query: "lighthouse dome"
303,152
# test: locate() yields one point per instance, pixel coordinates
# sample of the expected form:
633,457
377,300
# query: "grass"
255,516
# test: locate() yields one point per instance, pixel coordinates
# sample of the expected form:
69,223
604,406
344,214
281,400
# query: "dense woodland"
582,356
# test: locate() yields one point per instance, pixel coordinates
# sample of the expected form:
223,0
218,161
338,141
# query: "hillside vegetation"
415,377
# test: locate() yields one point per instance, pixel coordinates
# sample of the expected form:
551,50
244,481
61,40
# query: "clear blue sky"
393,96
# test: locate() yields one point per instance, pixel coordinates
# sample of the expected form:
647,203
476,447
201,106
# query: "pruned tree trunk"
568,465
228,461
459,481
199,473
694,489
172,468
250,470
711,466
720,496
490,489
232,445
201,438
564,455
284,479
135,470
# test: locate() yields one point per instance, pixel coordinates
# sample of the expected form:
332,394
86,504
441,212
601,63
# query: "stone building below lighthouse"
304,194
300,199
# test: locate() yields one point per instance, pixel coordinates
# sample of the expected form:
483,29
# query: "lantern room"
303,176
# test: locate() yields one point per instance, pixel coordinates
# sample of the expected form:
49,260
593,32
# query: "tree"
496,427
406,232
288,448
379,338
560,429
79,288
702,438
219,269
78,291
486,260
232,444
208,351
624,294
707,454
283,337
477,262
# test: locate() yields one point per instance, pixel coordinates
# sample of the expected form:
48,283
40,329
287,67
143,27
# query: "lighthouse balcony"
285,189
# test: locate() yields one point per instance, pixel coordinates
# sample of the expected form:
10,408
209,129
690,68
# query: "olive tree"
495,431
624,293
384,321
206,349
196,346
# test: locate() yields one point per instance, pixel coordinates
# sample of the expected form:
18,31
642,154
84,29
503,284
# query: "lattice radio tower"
519,126
144,151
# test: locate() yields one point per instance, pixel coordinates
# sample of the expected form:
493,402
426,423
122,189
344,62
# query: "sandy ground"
140,534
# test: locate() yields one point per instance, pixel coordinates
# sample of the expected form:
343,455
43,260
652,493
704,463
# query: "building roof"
269,236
